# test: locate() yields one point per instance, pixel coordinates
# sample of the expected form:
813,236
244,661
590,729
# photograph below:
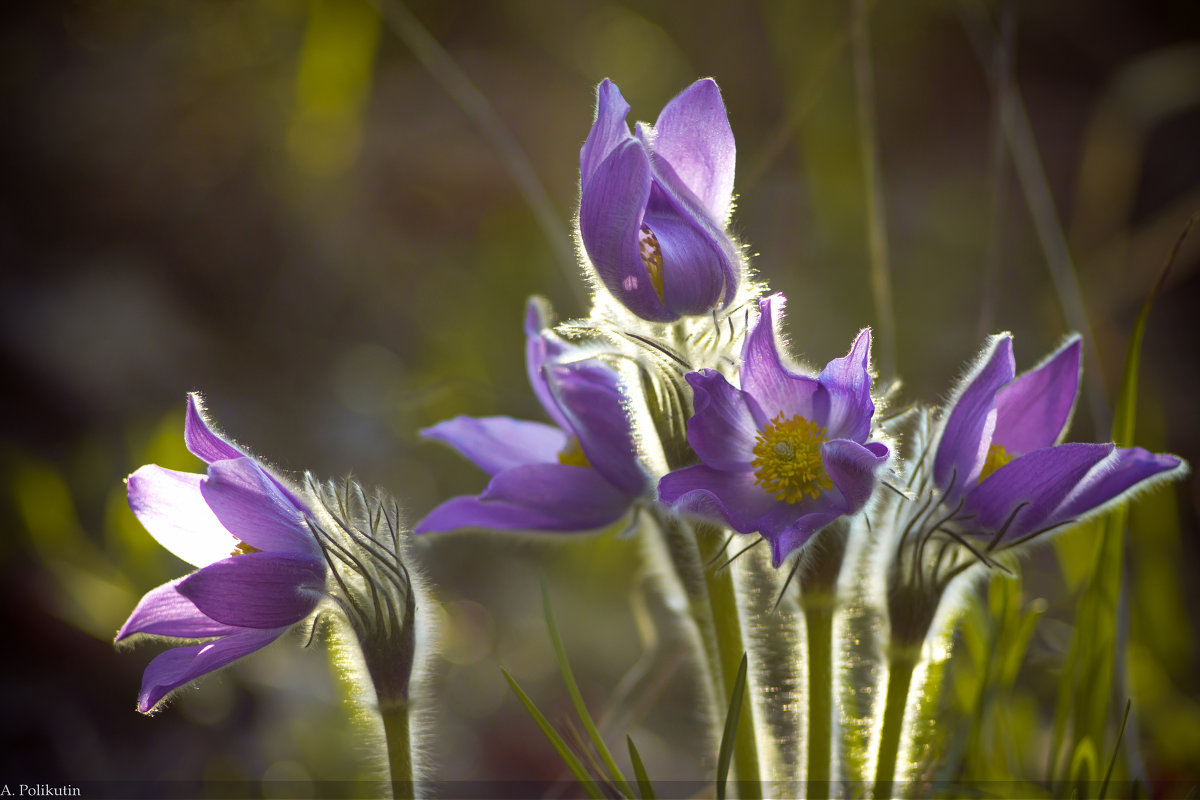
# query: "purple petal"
170,506
853,469
611,210
608,129
1032,411
201,439
1120,472
731,496
495,444
542,497
1040,480
587,394
542,346
698,273
165,612
257,590
763,375
967,434
563,491
694,137
789,525
787,540
847,382
181,665
252,507
722,431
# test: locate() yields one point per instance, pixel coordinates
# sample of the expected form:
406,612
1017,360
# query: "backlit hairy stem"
395,716
901,664
730,646
819,567
818,621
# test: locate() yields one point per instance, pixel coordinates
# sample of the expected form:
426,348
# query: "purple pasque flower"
261,569
654,204
998,461
786,454
581,473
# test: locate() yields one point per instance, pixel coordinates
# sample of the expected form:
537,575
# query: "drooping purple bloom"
582,473
786,454
654,204
261,569
998,461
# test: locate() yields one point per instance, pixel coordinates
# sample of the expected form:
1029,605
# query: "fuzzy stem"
730,647
399,750
900,671
684,554
818,621
819,568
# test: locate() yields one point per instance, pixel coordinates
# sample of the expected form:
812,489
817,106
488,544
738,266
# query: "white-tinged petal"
170,506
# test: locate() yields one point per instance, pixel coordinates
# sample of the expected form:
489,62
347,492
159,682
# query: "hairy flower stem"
394,715
390,662
696,557
364,685
819,570
901,663
688,567
818,622
384,605
730,647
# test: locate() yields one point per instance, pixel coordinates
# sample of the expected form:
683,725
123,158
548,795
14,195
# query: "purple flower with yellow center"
261,569
786,454
582,473
998,462
654,204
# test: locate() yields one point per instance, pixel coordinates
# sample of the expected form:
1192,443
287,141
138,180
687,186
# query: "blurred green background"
279,204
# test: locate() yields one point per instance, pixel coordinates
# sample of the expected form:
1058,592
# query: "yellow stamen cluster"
997,457
787,460
243,548
652,258
572,454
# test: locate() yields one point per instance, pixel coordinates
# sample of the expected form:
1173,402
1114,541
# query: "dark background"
278,204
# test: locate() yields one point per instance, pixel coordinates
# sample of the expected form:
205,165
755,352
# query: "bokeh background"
329,221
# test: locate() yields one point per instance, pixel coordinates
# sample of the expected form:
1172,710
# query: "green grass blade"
1035,187
569,758
725,754
1083,769
474,103
1099,641
1110,570
639,771
877,242
1124,420
1112,761
1126,413
564,666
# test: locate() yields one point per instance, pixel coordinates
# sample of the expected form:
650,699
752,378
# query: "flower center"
652,258
787,459
997,457
572,454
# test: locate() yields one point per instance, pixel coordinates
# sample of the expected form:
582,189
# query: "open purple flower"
581,473
654,204
998,461
786,454
261,569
